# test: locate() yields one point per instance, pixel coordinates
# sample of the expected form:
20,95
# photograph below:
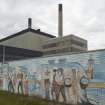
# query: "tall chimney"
29,23
60,21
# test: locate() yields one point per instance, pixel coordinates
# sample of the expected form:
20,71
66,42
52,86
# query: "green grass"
15,99
7,98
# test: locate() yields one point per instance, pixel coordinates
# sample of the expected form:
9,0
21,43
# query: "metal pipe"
3,54
60,21
29,23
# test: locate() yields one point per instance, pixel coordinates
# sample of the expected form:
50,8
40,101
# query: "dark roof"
13,53
28,30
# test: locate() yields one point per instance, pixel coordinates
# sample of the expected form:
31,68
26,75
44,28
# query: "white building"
28,39
66,44
36,41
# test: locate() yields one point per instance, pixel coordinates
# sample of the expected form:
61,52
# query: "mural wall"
59,78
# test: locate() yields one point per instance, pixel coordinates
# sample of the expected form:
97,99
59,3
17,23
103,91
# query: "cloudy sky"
84,18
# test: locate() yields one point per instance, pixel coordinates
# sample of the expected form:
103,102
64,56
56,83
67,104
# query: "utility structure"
60,21
29,23
38,43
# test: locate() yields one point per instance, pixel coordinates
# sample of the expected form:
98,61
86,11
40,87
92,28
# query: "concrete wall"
69,43
38,76
28,40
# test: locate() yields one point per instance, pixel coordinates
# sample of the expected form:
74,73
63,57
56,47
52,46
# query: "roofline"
40,32
15,53
60,55
72,53
73,35
27,30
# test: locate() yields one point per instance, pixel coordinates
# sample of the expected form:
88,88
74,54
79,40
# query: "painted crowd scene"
73,79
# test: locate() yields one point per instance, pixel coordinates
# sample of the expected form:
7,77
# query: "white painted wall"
28,40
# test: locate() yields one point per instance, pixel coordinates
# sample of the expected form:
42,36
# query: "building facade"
36,40
66,44
27,39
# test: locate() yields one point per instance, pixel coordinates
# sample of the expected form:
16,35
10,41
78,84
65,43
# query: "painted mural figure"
90,68
54,89
10,84
84,83
60,82
26,87
20,82
1,83
47,84
77,95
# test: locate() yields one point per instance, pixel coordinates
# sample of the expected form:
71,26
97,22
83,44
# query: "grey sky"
84,18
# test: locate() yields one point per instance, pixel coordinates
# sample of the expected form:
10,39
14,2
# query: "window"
75,50
50,45
78,43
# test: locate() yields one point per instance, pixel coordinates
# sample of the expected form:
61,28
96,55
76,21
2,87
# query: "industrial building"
66,44
29,38
35,43
63,44
65,71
